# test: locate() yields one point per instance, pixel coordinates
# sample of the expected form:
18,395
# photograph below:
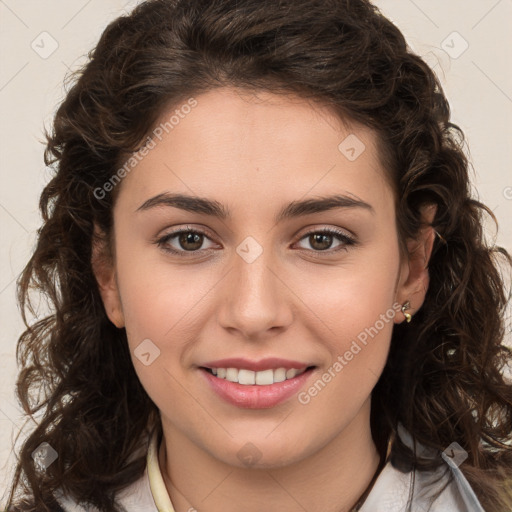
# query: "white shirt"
389,493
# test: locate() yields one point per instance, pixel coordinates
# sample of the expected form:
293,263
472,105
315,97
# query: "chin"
260,452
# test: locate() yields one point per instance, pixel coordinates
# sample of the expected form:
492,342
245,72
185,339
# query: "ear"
104,271
414,278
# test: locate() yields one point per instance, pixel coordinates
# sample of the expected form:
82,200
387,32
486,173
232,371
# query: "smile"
251,389
261,378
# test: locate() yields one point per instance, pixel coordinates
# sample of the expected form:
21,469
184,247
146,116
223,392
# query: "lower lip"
256,397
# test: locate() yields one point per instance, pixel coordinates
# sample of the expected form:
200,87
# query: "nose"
256,302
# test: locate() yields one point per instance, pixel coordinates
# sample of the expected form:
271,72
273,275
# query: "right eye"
183,241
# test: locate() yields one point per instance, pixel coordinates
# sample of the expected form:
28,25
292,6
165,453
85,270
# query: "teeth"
291,373
245,377
263,378
280,375
232,374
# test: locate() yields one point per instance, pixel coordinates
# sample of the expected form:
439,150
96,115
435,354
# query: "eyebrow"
294,209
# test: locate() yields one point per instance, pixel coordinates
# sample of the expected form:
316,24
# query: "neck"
333,479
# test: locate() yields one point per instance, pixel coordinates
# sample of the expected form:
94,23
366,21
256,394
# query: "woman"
271,286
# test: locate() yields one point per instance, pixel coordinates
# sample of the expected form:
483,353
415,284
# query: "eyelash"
342,236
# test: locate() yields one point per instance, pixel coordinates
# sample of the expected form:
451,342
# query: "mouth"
247,377
250,389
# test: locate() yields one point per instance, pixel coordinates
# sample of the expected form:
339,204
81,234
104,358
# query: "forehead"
257,146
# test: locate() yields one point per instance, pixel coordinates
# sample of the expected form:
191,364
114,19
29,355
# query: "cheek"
159,298
356,310
352,296
356,326
166,305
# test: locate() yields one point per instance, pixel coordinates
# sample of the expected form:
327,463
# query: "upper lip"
270,363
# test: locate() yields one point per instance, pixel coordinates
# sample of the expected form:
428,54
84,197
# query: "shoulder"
445,488
393,489
137,496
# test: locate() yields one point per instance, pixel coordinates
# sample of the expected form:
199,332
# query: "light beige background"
477,81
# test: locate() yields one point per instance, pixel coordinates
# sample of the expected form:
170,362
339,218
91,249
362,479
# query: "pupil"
190,238
324,239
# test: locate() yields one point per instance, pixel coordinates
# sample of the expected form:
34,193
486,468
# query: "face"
268,283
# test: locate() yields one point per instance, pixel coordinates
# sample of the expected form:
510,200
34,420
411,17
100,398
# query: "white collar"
156,481
389,493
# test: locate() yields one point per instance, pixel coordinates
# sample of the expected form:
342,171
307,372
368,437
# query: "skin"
255,154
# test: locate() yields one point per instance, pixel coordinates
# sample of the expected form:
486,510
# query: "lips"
256,384
270,363
261,378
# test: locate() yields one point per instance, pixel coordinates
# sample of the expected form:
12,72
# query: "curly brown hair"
443,379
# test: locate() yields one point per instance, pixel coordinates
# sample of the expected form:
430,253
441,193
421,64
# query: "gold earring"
405,307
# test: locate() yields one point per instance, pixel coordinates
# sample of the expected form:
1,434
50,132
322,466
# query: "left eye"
191,241
322,240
